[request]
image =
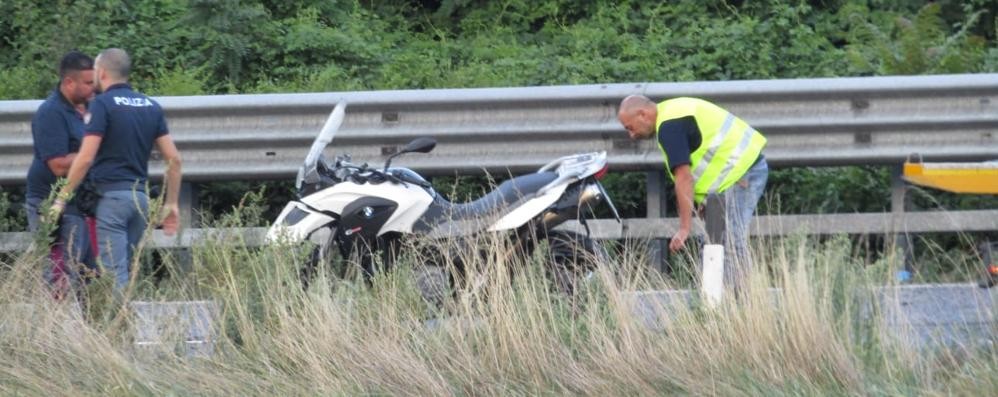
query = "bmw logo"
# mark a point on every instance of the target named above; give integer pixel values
(368, 212)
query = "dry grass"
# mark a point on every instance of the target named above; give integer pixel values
(343, 338)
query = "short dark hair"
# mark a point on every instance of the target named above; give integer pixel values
(74, 61)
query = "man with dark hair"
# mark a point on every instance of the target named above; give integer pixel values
(57, 130)
(118, 142)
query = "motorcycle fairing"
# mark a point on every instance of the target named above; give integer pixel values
(296, 223)
(366, 216)
(412, 201)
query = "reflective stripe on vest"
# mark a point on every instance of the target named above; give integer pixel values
(728, 148)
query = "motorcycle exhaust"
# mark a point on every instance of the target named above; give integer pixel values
(568, 207)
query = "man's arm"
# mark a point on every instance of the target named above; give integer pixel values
(168, 149)
(60, 165)
(678, 138)
(77, 170)
(684, 204)
(51, 140)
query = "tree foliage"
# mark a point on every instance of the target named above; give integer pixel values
(921, 44)
(245, 46)
(194, 47)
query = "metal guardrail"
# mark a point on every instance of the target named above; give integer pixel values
(644, 228)
(869, 120)
(841, 121)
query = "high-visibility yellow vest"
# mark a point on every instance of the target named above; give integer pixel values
(728, 148)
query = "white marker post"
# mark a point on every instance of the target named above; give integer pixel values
(712, 276)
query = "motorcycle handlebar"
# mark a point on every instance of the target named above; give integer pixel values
(374, 175)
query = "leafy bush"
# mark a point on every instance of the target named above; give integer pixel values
(12, 215)
(922, 44)
(26, 83)
(177, 82)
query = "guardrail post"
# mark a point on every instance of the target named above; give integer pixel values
(714, 275)
(902, 240)
(187, 202)
(656, 206)
(714, 219)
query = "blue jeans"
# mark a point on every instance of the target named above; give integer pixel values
(121, 221)
(740, 201)
(73, 241)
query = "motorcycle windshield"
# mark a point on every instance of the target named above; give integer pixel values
(325, 136)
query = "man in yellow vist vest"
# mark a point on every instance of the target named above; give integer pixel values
(706, 150)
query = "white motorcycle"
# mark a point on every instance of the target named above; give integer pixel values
(366, 212)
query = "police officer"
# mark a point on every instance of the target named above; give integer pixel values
(123, 127)
(56, 131)
(706, 150)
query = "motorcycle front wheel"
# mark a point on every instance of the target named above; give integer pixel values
(323, 256)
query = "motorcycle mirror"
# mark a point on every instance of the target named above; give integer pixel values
(420, 145)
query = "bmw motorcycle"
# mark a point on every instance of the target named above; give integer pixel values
(366, 213)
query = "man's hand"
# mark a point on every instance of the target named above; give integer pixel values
(171, 219)
(55, 211)
(678, 240)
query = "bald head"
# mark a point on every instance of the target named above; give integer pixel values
(637, 114)
(634, 102)
(111, 67)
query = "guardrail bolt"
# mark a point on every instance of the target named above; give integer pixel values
(390, 117)
(860, 104)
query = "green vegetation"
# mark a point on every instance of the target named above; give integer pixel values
(340, 338)
(343, 338)
(244, 46)
(193, 47)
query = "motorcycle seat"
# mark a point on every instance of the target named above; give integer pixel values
(492, 204)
